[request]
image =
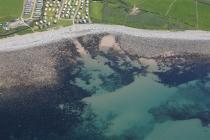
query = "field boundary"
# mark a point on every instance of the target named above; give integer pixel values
(197, 15)
(170, 7)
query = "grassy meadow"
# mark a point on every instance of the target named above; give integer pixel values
(96, 10)
(153, 14)
(10, 9)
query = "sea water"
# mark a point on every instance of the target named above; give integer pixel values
(147, 109)
(112, 100)
(127, 111)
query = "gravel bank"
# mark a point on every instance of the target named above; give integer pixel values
(141, 42)
(41, 66)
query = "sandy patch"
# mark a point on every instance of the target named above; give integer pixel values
(150, 63)
(80, 49)
(108, 42)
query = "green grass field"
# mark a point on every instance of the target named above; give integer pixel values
(97, 11)
(153, 14)
(10, 9)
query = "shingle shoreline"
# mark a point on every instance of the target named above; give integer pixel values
(147, 43)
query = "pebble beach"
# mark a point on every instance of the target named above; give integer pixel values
(136, 41)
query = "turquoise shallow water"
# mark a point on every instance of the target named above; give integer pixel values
(181, 130)
(146, 108)
(129, 105)
(126, 112)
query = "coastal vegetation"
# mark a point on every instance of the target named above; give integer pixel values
(10, 9)
(153, 14)
(146, 14)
